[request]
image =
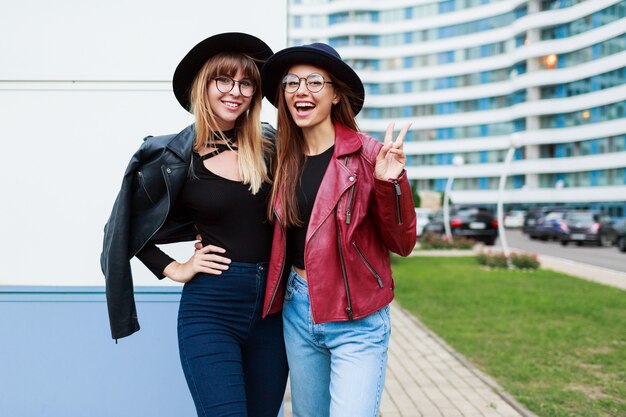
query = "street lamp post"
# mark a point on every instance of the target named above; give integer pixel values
(513, 145)
(457, 161)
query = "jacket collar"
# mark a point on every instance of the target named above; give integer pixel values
(347, 141)
(336, 179)
(182, 143)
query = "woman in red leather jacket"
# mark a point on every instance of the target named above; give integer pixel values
(340, 202)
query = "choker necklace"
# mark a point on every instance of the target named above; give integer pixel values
(221, 147)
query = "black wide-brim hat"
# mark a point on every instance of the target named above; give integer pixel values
(192, 63)
(317, 54)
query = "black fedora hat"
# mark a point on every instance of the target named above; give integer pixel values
(317, 54)
(188, 68)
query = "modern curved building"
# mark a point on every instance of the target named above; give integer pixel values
(478, 77)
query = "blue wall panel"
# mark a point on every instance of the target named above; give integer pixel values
(57, 357)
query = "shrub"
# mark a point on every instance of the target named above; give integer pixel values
(524, 260)
(514, 261)
(433, 241)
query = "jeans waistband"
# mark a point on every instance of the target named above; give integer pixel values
(294, 276)
(259, 266)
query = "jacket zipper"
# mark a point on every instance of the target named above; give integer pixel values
(282, 266)
(164, 170)
(351, 199)
(143, 185)
(398, 194)
(343, 271)
(368, 265)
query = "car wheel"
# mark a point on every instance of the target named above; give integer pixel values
(621, 244)
(564, 243)
(490, 242)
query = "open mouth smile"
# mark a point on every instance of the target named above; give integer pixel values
(303, 108)
(231, 105)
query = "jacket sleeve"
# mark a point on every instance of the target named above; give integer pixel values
(394, 214)
(177, 228)
(115, 259)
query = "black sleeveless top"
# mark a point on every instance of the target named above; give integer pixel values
(226, 214)
(306, 191)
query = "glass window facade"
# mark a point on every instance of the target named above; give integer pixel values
(407, 13)
(596, 178)
(593, 115)
(558, 4)
(586, 147)
(600, 18)
(464, 132)
(443, 32)
(587, 85)
(609, 47)
(418, 61)
(482, 104)
(493, 62)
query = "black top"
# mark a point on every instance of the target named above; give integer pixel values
(306, 191)
(225, 213)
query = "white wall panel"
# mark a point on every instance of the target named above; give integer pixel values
(81, 83)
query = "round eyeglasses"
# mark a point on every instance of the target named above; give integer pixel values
(225, 85)
(314, 82)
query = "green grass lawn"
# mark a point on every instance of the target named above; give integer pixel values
(555, 342)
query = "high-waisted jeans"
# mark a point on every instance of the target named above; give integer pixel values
(337, 368)
(234, 361)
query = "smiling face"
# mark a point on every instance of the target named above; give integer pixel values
(310, 110)
(227, 107)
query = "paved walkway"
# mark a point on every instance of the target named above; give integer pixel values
(597, 274)
(426, 378)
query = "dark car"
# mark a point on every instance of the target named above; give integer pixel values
(620, 237)
(471, 222)
(533, 214)
(547, 227)
(586, 226)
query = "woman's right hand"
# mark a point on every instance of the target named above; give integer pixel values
(205, 259)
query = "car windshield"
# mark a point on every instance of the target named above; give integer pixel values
(581, 217)
(466, 211)
(554, 216)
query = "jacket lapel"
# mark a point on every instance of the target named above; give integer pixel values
(337, 178)
(182, 143)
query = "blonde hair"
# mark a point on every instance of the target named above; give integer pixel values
(252, 147)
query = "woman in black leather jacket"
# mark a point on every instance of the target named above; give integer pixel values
(210, 179)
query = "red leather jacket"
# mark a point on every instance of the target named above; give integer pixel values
(355, 221)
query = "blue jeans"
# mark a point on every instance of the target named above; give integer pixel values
(234, 361)
(338, 368)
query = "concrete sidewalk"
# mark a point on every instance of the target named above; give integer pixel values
(426, 378)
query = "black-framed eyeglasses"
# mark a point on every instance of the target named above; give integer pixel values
(225, 85)
(314, 82)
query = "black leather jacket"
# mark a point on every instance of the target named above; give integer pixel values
(143, 212)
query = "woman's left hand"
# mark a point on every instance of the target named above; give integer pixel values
(391, 159)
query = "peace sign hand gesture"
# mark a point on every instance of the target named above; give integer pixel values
(391, 159)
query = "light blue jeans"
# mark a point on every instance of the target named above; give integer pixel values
(338, 368)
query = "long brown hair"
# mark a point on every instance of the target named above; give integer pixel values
(251, 145)
(290, 150)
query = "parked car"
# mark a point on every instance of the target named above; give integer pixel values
(547, 227)
(533, 215)
(586, 226)
(423, 216)
(514, 219)
(472, 222)
(620, 235)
